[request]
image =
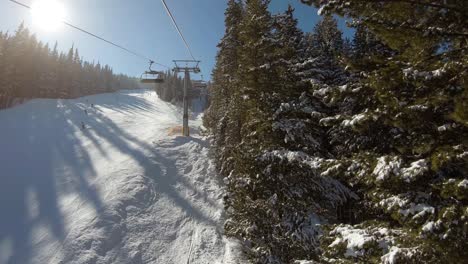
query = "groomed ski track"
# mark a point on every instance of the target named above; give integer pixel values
(119, 190)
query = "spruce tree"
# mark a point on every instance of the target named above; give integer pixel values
(29, 69)
(290, 51)
(379, 155)
(325, 49)
(222, 117)
(275, 193)
(401, 142)
(19, 63)
(327, 38)
(4, 93)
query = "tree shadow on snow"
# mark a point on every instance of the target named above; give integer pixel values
(125, 103)
(162, 170)
(41, 157)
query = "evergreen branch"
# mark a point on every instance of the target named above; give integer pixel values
(450, 53)
(453, 8)
(414, 2)
(391, 25)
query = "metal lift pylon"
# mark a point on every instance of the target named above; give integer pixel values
(190, 66)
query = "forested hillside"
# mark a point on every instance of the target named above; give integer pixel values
(344, 151)
(172, 89)
(31, 69)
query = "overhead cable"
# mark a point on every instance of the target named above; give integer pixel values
(177, 28)
(98, 37)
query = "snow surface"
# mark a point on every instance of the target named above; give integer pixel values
(305, 262)
(356, 119)
(119, 191)
(418, 210)
(386, 166)
(431, 226)
(355, 239)
(320, 11)
(463, 184)
(397, 255)
(393, 202)
(391, 166)
(416, 169)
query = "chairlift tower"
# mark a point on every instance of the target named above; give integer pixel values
(186, 66)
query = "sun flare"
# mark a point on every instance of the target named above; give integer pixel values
(48, 14)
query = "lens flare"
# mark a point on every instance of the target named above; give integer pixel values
(48, 14)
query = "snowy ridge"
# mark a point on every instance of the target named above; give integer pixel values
(119, 190)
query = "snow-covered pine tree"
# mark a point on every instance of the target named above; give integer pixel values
(5, 94)
(167, 90)
(29, 69)
(18, 63)
(42, 71)
(275, 195)
(222, 117)
(327, 38)
(108, 75)
(54, 71)
(248, 193)
(291, 50)
(347, 50)
(363, 42)
(367, 50)
(324, 51)
(401, 143)
(76, 81)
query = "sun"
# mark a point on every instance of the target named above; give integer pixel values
(48, 14)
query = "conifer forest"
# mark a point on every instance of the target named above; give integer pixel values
(30, 69)
(342, 150)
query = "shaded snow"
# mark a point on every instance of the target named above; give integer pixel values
(355, 239)
(393, 202)
(397, 255)
(294, 156)
(418, 210)
(119, 191)
(416, 169)
(463, 184)
(327, 121)
(446, 127)
(431, 226)
(426, 75)
(392, 166)
(320, 10)
(418, 107)
(462, 155)
(406, 208)
(294, 130)
(356, 119)
(386, 166)
(390, 257)
(305, 262)
(322, 91)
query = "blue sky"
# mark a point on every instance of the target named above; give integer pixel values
(143, 26)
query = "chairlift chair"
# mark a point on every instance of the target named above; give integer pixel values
(151, 76)
(199, 84)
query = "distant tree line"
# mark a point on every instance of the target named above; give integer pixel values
(31, 69)
(338, 151)
(172, 89)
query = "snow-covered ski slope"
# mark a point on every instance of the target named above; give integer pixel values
(121, 190)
